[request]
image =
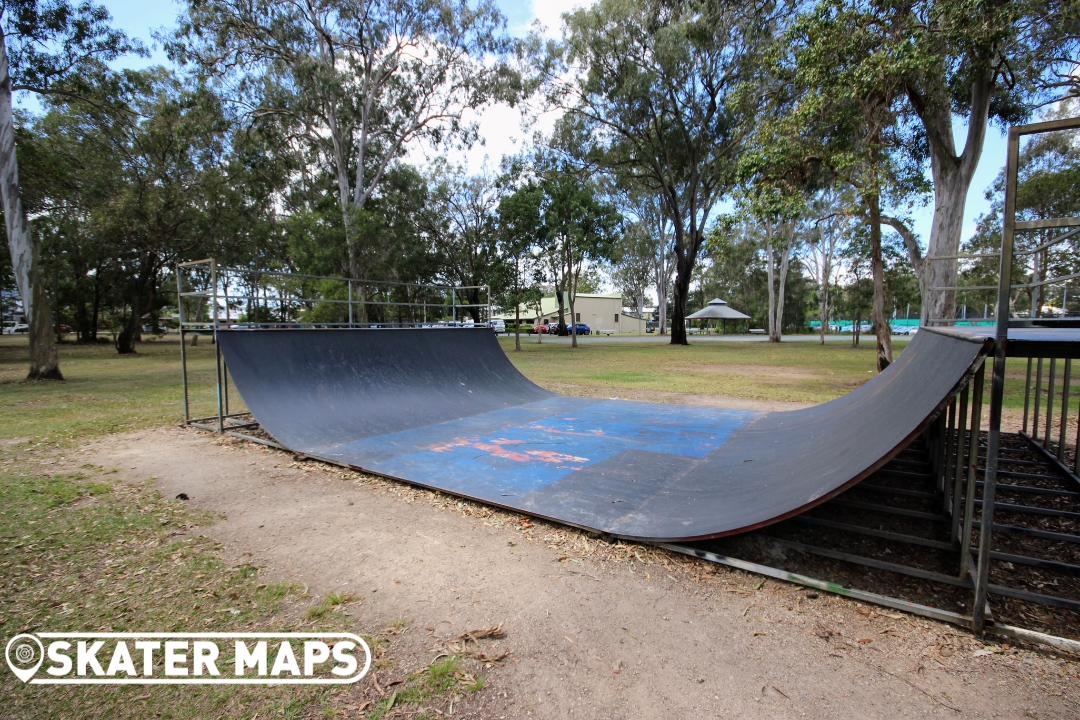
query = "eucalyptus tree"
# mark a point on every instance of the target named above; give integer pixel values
(830, 224)
(667, 91)
(632, 261)
(521, 230)
(360, 82)
(581, 228)
(837, 125)
(45, 47)
(460, 223)
(949, 60)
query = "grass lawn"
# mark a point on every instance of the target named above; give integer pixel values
(789, 372)
(103, 392)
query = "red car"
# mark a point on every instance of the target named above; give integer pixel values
(541, 329)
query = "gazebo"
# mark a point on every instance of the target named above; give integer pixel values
(718, 309)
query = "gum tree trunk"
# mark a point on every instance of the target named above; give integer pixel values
(25, 259)
(952, 174)
(881, 323)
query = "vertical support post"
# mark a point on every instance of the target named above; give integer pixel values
(1064, 409)
(1049, 403)
(952, 448)
(969, 495)
(1038, 398)
(453, 305)
(350, 304)
(997, 387)
(217, 345)
(1027, 394)
(952, 506)
(183, 345)
(224, 365)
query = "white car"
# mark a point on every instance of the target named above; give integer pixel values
(16, 328)
(499, 326)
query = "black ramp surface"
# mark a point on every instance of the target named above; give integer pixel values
(314, 389)
(446, 409)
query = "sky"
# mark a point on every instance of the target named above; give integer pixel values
(501, 127)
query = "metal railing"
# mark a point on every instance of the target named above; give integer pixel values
(1010, 227)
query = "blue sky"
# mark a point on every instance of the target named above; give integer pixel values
(501, 126)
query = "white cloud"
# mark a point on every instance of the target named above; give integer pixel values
(550, 12)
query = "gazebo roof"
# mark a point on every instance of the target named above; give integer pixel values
(717, 309)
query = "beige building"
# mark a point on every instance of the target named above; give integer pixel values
(602, 313)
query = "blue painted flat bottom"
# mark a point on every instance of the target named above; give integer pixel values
(516, 451)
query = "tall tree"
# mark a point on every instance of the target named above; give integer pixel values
(830, 225)
(521, 228)
(460, 220)
(44, 46)
(632, 262)
(359, 81)
(984, 61)
(667, 90)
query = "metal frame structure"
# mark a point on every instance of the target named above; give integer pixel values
(955, 446)
(220, 291)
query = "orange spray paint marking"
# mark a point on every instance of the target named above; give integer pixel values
(495, 448)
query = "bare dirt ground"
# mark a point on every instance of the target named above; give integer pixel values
(593, 630)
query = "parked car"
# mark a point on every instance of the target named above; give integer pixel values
(539, 330)
(579, 328)
(499, 326)
(905, 329)
(16, 328)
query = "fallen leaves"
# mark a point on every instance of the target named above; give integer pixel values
(495, 631)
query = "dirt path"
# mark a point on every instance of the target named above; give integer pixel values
(593, 632)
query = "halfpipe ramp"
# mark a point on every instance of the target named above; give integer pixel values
(445, 409)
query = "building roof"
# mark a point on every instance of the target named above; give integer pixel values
(717, 309)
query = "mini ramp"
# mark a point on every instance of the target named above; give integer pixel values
(445, 409)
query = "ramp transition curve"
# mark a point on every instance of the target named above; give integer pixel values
(445, 409)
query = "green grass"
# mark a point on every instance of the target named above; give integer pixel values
(790, 372)
(103, 392)
(758, 371)
(79, 553)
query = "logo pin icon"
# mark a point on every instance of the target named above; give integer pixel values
(24, 656)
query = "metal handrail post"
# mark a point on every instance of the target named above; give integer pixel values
(217, 345)
(997, 387)
(1038, 398)
(962, 458)
(1027, 394)
(1064, 408)
(350, 304)
(969, 495)
(225, 365)
(952, 447)
(183, 346)
(1049, 404)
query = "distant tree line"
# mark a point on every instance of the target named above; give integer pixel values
(277, 139)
